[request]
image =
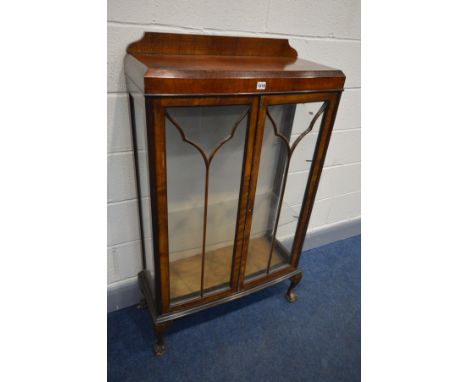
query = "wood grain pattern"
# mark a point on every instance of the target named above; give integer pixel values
(244, 210)
(158, 187)
(192, 44)
(165, 63)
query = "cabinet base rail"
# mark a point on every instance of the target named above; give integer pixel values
(162, 322)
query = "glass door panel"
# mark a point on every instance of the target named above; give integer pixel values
(204, 158)
(289, 138)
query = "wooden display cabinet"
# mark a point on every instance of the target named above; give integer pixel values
(216, 124)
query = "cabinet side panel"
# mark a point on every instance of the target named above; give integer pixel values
(140, 141)
(323, 141)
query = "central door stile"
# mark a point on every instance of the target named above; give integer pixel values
(254, 168)
(243, 215)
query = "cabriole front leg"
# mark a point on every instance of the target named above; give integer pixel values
(142, 304)
(160, 329)
(290, 294)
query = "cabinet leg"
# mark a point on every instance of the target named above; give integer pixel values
(142, 304)
(160, 329)
(290, 294)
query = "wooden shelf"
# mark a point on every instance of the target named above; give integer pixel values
(185, 273)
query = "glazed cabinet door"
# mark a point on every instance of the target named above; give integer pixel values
(292, 136)
(203, 153)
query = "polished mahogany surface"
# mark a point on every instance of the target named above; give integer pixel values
(205, 113)
(164, 63)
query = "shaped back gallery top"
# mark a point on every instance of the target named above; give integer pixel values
(177, 64)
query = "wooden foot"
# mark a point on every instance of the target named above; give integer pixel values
(159, 346)
(158, 349)
(142, 304)
(291, 296)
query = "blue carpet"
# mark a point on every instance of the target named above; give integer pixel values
(259, 338)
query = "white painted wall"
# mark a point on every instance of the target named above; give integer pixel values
(325, 31)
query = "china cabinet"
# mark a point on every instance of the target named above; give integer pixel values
(223, 127)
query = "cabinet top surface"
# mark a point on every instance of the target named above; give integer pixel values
(166, 63)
